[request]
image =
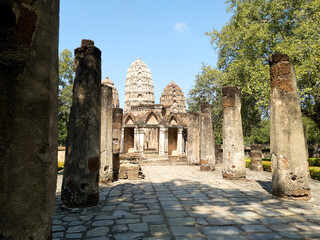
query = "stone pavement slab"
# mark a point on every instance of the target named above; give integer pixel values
(181, 202)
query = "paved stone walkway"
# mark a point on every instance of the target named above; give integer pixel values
(180, 202)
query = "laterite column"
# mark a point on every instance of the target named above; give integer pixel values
(207, 148)
(233, 148)
(106, 157)
(287, 142)
(80, 187)
(28, 117)
(256, 157)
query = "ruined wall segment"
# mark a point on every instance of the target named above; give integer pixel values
(139, 85)
(233, 148)
(106, 156)
(207, 147)
(80, 187)
(173, 98)
(28, 112)
(287, 143)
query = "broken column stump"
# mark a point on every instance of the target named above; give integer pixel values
(287, 143)
(256, 157)
(28, 110)
(80, 187)
(233, 148)
(207, 147)
(106, 169)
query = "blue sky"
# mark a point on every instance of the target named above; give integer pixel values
(168, 35)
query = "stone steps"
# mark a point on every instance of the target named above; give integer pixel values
(162, 162)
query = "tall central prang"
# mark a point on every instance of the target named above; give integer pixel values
(139, 85)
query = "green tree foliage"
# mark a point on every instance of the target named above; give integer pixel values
(312, 131)
(256, 30)
(207, 88)
(66, 76)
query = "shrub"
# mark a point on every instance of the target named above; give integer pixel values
(314, 162)
(248, 162)
(315, 173)
(60, 165)
(266, 166)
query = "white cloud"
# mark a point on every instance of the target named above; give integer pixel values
(180, 26)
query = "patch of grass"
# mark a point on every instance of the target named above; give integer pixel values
(60, 165)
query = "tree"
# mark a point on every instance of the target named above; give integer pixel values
(208, 89)
(66, 77)
(257, 29)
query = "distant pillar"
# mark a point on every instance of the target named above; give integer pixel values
(233, 148)
(207, 147)
(106, 158)
(122, 141)
(193, 149)
(256, 157)
(180, 141)
(136, 140)
(307, 148)
(162, 142)
(287, 143)
(29, 35)
(80, 187)
(141, 139)
(166, 141)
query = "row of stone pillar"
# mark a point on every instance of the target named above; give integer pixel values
(287, 141)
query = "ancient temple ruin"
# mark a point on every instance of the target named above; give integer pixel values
(154, 133)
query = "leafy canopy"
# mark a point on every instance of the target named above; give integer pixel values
(66, 77)
(257, 29)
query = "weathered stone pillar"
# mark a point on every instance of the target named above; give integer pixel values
(117, 114)
(193, 150)
(207, 147)
(122, 141)
(166, 140)
(233, 148)
(180, 141)
(80, 187)
(106, 155)
(136, 140)
(287, 143)
(307, 148)
(162, 142)
(256, 157)
(141, 139)
(28, 112)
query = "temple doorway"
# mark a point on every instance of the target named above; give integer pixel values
(172, 141)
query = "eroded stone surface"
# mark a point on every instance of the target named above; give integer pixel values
(233, 151)
(287, 142)
(80, 187)
(28, 112)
